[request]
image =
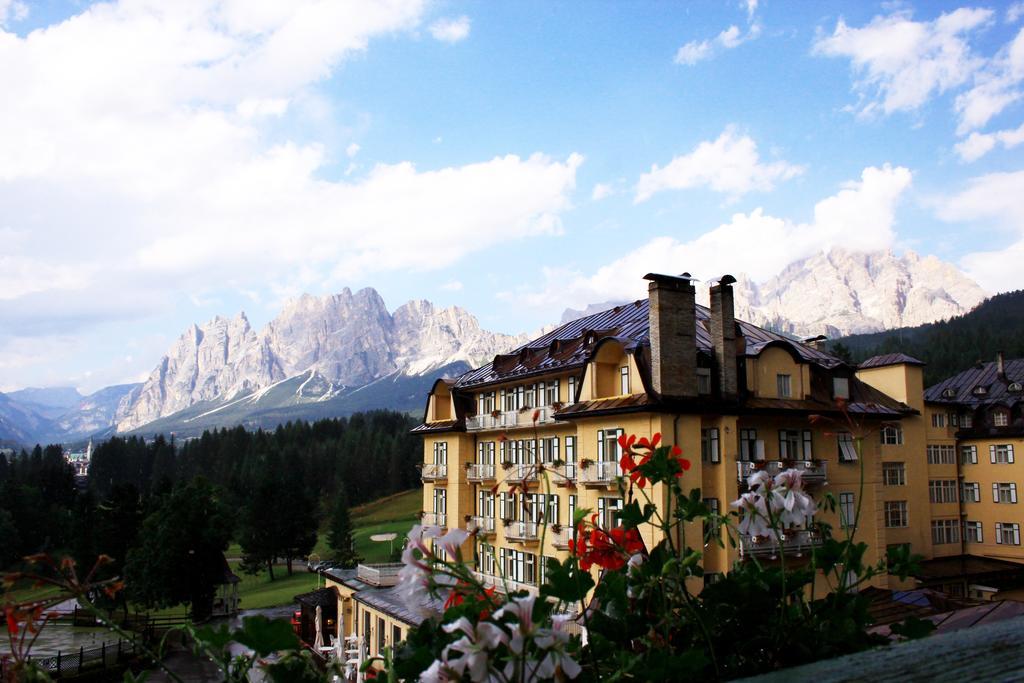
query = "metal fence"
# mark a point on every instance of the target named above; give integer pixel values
(74, 662)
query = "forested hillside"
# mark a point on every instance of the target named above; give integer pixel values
(952, 345)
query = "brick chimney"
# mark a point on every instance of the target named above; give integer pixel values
(723, 335)
(673, 331)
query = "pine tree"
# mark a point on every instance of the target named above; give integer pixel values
(339, 536)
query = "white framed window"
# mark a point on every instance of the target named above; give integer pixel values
(549, 451)
(551, 514)
(847, 448)
(572, 508)
(942, 490)
(440, 452)
(945, 531)
(485, 561)
(507, 505)
(440, 506)
(892, 435)
(783, 386)
(894, 474)
(571, 393)
(973, 532)
(795, 444)
(703, 381)
(1004, 492)
(750, 447)
(485, 505)
(1000, 418)
(1007, 533)
(966, 420)
(570, 457)
(608, 510)
(896, 514)
(968, 455)
(938, 420)
(608, 450)
(709, 451)
(941, 455)
(1001, 454)
(485, 403)
(551, 392)
(840, 387)
(520, 566)
(971, 492)
(847, 509)
(624, 380)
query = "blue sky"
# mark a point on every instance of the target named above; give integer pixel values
(168, 162)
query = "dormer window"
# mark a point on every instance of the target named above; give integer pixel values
(784, 386)
(980, 391)
(1015, 388)
(704, 380)
(949, 393)
(1000, 418)
(840, 387)
(624, 380)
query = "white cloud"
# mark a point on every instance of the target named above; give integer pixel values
(452, 286)
(977, 145)
(12, 11)
(139, 178)
(730, 165)
(698, 50)
(693, 52)
(352, 150)
(859, 217)
(751, 6)
(996, 86)
(901, 63)
(450, 30)
(994, 199)
(1014, 12)
(602, 190)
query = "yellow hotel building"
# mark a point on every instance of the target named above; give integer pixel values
(731, 395)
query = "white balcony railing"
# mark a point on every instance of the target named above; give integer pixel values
(478, 472)
(510, 419)
(522, 531)
(502, 585)
(521, 472)
(433, 472)
(814, 472)
(379, 574)
(563, 474)
(561, 538)
(600, 473)
(435, 519)
(795, 543)
(484, 524)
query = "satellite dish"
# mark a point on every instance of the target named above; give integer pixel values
(381, 538)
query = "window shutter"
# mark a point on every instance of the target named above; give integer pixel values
(1009, 453)
(808, 450)
(995, 493)
(1013, 493)
(759, 450)
(1016, 534)
(715, 454)
(600, 444)
(783, 450)
(992, 454)
(554, 449)
(999, 533)
(745, 453)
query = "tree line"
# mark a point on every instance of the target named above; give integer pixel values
(949, 346)
(165, 511)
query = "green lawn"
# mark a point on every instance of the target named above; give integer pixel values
(394, 514)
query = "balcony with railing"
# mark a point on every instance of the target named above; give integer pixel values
(480, 473)
(795, 543)
(563, 475)
(379, 574)
(521, 472)
(435, 519)
(813, 472)
(434, 472)
(483, 525)
(560, 539)
(597, 474)
(503, 584)
(522, 532)
(510, 419)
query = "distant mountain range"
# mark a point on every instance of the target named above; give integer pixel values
(337, 354)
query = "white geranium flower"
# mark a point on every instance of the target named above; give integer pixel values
(452, 541)
(435, 673)
(414, 576)
(474, 647)
(755, 514)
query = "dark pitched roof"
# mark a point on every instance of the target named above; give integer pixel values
(568, 346)
(440, 426)
(962, 385)
(966, 565)
(889, 359)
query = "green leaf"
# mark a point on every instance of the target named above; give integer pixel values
(265, 636)
(214, 639)
(565, 582)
